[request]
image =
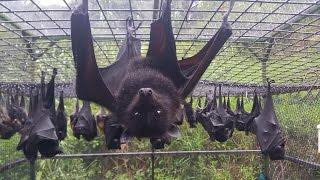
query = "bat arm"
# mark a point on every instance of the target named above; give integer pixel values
(89, 83)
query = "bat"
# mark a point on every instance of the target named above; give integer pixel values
(39, 134)
(61, 119)
(84, 124)
(268, 130)
(6, 129)
(190, 114)
(73, 117)
(242, 117)
(101, 118)
(203, 116)
(143, 94)
(222, 121)
(17, 114)
(255, 112)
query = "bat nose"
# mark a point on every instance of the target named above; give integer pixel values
(145, 92)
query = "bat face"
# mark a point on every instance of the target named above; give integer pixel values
(147, 101)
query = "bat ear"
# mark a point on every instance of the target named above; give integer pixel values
(89, 83)
(174, 131)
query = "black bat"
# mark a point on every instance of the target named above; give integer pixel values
(222, 121)
(6, 128)
(190, 114)
(17, 114)
(101, 118)
(255, 112)
(242, 117)
(61, 119)
(39, 133)
(143, 94)
(83, 123)
(268, 130)
(202, 115)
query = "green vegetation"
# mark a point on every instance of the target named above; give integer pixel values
(298, 119)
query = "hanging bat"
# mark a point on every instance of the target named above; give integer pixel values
(255, 112)
(61, 119)
(6, 129)
(190, 114)
(17, 114)
(84, 123)
(39, 133)
(242, 117)
(143, 94)
(101, 118)
(203, 116)
(268, 130)
(222, 121)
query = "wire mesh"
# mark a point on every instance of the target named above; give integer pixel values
(297, 113)
(36, 35)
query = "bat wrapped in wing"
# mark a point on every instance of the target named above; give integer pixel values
(255, 112)
(242, 117)
(84, 124)
(6, 127)
(144, 95)
(61, 119)
(203, 115)
(268, 130)
(39, 133)
(190, 114)
(222, 121)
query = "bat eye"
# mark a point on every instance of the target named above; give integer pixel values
(158, 112)
(136, 113)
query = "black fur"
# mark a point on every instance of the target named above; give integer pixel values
(165, 99)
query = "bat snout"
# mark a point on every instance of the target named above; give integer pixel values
(145, 92)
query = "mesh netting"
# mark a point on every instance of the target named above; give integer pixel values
(297, 112)
(277, 39)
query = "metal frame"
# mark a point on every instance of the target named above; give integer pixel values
(287, 58)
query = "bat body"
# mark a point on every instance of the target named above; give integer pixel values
(190, 114)
(268, 130)
(39, 133)
(83, 123)
(242, 117)
(143, 94)
(61, 119)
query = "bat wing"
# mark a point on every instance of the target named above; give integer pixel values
(268, 131)
(114, 73)
(162, 48)
(190, 64)
(89, 83)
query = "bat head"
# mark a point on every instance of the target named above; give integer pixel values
(148, 104)
(148, 114)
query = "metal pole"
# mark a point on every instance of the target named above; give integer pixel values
(32, 170)
(266, 167)
(152, 163)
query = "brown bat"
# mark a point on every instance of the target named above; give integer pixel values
(143, 94)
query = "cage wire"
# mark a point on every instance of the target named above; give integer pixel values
(277, 39)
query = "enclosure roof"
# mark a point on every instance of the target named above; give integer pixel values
(280, 35)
